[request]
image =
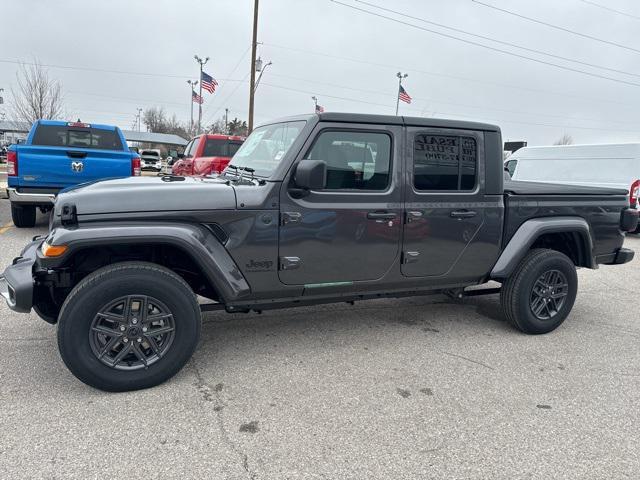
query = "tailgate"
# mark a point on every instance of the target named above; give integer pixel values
(44, 166)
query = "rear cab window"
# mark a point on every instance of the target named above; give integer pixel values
(215, 147)
(76, 137)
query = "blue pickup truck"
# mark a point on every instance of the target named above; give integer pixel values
(57, 155)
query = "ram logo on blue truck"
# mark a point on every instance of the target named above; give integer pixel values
(57, 155)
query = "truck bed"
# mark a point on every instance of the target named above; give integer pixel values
(600, 207)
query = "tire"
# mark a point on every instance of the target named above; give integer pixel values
(92, 305)
(23, 216)
(527, 302)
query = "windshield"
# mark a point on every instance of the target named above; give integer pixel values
(266, 146)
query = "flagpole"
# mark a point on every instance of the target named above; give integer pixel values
(400, 77)
(192, 84)
(202, 63)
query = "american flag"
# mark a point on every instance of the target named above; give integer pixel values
(319, 109)
(196, 98)
(208, 82)
(403, 95)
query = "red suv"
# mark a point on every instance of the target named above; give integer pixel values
(207, 154)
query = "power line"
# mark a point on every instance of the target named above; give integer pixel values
(224, 102)
(578, 127)
(102, 70)
(501, 42)
(435, 100)
(506, 52)
(446, 75)
(619, 12)
(557, 27)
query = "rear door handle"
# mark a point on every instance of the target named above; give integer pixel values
(381, 216)
(463, 214)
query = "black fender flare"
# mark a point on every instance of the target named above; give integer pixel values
(530, 231)
(195, 240)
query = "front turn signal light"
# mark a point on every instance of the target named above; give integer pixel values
(53, 250)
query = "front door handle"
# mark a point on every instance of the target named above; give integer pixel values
(463, 214)
(381, 216)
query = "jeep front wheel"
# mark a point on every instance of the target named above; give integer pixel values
(540, 293)
(128, 326)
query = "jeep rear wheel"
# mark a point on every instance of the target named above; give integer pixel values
(23, 216)
(541, 292)
(128, 326)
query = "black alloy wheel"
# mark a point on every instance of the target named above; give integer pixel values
(132, 332)
(548, 294)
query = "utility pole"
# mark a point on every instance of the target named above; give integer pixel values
(202, 63)
(226, 121)
(192, 86)
(400, 76)
(315, 101)
(254, 46)
(139, 118)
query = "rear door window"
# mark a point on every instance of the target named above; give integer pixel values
(63, 136)
(215, 148)
(444, 162)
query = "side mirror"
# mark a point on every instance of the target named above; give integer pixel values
(170, 161)
(311, 174)
(181, 155)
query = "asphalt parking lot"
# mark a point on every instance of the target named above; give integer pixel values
(413, 388)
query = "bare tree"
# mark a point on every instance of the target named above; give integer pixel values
(565, 139)
(37, 96)
(157, 121)
(219, 126)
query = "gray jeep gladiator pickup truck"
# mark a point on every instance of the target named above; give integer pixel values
(313, 209)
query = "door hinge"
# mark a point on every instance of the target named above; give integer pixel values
(289, 263)
(290, 217)
(410, 257)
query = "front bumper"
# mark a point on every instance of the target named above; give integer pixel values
(16, 283)
(34, 198)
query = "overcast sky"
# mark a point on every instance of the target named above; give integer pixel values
(347, 58)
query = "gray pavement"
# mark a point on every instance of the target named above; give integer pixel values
(412, 388)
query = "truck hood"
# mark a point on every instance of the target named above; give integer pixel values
(148, 194)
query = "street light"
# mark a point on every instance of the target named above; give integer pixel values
(260, 68)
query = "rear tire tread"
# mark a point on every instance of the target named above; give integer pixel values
(23, 216)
